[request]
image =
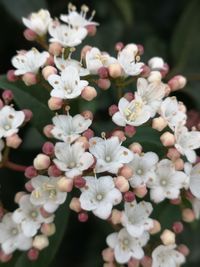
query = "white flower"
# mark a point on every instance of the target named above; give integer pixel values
(126, 246)
(1, 148)
(30, 61)
(78, 19)
(186, 142)
(196, 207)
(172, 112)
(109, 154)
(62, 63)
(10, 121)
(95, 59)
(156, 63)
(167, 256)
(12, 237)
(68, 85)
(133, 113)
(38, 22)
(99, 196)
(72, 159)
(143, 167)
(194, 178)
(167, 182)
(46, 193)
(127, 59)
(68, 128)
(29, 216)
(66, 35)
(151, 93)
(135, 218)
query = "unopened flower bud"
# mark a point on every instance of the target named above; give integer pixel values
(87, 114)
(48, 229)
(177, 82)
(188, 215)
(84, 140)
(156, 227)
(92, 29)
(55, 103)
(133, 263)
(65, 184)
(30, 172)
(121, 183)
(129, 130)
(115, 70)
(145, 71)
(7, 96)
(140, 49)
(116, 216)
(156, 63)
(88, 133)
(154, 76)
(167, 139)
(177, 227)
(28, 115)
(119, 46)
(29, 78)
(141, 191)
(18, 196)
(11, 76)
(55, 49)
(30, 35)
(1, 104)
(41, 162)
(179, 164)
(33, 254)
(103, 72)
(75, 204)
(108, 255)
(89, 93)
(50, 61)
(173, 154)
(136, 148)
(29, 186)
(83, 216)
(48, 148)
(168, 237)
(47, 130)
(84, 50)
(5, 257)
(176, 201)
(146, 261)
(79, 182)
(13, 141)
(120, 134)
(126, 172)
(104, 84)
(45, 213)
(112, 110)
(129, 96)
(183, 249)
(129, 196)
(40, 242)
(47, 71)
(159, 124)
(54, 171)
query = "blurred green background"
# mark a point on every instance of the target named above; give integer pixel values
(167, 28)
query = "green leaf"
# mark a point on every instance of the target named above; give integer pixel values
(126, 10)
(20, 8)
(33, 98)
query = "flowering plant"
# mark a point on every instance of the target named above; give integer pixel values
(115, 172)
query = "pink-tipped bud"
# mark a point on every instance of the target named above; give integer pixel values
(108, 255)
(126, 172)
(173, 154)
(75, 204)
(7, 96)
(146, 261)
(104, 84)
(129, 96)
(129, 196)
(83, 216)
(48, 148)
(140, 49)
(47, 71)
(84, 50)
(103, 72)
(88, 133)
(116, 216)
(50, 61)
(28, 114)
(1, 104)
(45, 213)
(89, 93)
(115, 70)
(167, 139)
(145, 71)
(18, 196)
(179, 164)
(119, 46)
(55, 49)
(112, 110)
(165, 70)
(189, 195)
(55, 103)
(188, 215)
(13, 141)
(183, 249)
(168, 237)
(5, 257)
(177, 82)
(65, 184)
(33, 254)
(133, 263)
(154, 76)
(91, 29)
(47, 130)
(48, 229)
(79, 182)
(87, 114)
(141, 191)
(29, 186)
(30, 172)
(30, 35)
(129, 130)
(84, 140)
(29, 78)
(159, 124)
(11, 76)
(41, 162)
(177, 227)
(40, 242)
(54, 171)
(120, 134)
(156, 228)
(122, 184)
(136, 148)
(176, 201)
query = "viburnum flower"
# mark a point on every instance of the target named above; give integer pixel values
(194, 178)
(186, 142)
(29, 61)
(126, 246)
(38, 21)
(95, 59)
(172, 112)
(68, 85)
(99, 196)
(46, 193)
(151, 93)
(66, 35)
(167, 182)
(72, 159)
(78, 19)
(166, 256)
(10, 121)
(68, 128)
(143, 167)
(135, 217)
(11, 236)
(29, 216)
(133, 113)
(1, 148)
(109, 154)
(127, 60)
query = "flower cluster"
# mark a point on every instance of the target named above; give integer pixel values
(106, 171)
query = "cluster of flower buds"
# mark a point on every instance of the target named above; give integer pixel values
(104, 169)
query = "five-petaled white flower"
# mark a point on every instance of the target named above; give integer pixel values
(10, 121)
(135, 217)
(194, 178)
(46, 193)
(133, 113)
(127, 58)
(167, 182)
(68, 85)
(143, 167)
(186, 142)
(38, 21)
(66, 35)
(72, 159)
(165, 256)
(1, 148)
(29, 61)
(68, 128)
(78, 19)
(12, 237)
(99, 195)
(29, 216)
(109, 154)
(126, 246)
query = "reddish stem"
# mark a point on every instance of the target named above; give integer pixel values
(13, 166)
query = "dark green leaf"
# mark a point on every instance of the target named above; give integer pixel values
(126, 10)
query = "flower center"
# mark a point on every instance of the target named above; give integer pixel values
(7, 127)
(99, 197)
(139, 171)
(133, 110)
(72, 164)
(14, 231)
(34, 214)
(108, 159)
(163, 182)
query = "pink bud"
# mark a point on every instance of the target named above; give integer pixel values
(183, 249)
(30, 35)
(188, 215)
(84, 50)
(179, 164)
(83, 216)
(47, 130)
(11, 76)
(146, 261)
(45, 213)
(140, 49)
(159, 124)
(129, 130)
(29, 78)
(104, 84)
(88, 133)
(47, 71)
(50, 61)
(141, 191)
(156, 227)
(55, 103)
(176, 201)
(30, 172)
(145, 71)
(165, 70)
(119, 134)
(129, 196)
(89, 93)
(189, 195)
(84, 140)
(48, 229)
(116, 216)
(18, 196)
(40, 242)
(112, 110)
(173, 154)
(87, 114)
(7, 96)
(129, 96)
(48, 148)
(121, 183)
(79, 182)
(167, 139)
(177, 82)
(28, 114)
(55, 49)
(92, 29)
(168, 237)
(126, 172)
(177, 227)
(108, 255)
(33, 254)
(65, 184)
(115, 70)
(75, 204)
(5, 257)
(119, 46)
(13, 141)
(41, 162)
(29, 186)
(103, 72)
(133, 263)
(54, 171)
(1, 104)
(136, 148)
